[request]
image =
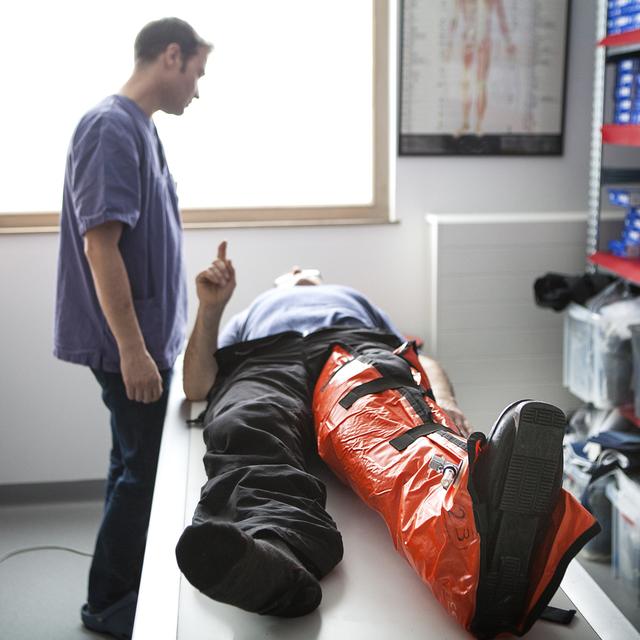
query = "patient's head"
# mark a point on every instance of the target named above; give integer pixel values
(299, 277)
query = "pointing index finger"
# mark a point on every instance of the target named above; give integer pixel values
(222, 250)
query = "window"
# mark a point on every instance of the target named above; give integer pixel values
(292, 125)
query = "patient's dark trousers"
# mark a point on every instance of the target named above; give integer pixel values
(260, 437)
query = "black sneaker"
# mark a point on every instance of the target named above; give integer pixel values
(516, 480)
(116, 620)
(229, 566)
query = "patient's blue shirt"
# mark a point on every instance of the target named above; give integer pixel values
(304, 309)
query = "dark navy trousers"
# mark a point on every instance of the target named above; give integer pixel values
(136, 430)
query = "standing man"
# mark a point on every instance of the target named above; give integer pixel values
(121, 301)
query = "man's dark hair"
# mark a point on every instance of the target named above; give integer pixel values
(156, 36)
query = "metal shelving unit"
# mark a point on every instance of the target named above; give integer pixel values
(595, 165)
(610, 49)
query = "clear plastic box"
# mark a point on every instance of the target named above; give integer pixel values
(595, 369)
(625, 500)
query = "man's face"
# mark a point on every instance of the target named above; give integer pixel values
(182, 85)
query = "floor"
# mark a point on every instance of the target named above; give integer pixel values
(41, 591)
(626, 599)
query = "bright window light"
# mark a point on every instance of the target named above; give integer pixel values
(285, 116)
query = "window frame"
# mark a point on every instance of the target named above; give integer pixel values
(377, 212)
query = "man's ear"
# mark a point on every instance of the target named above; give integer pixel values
(173, 55)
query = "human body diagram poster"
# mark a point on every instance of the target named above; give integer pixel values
(482, 76)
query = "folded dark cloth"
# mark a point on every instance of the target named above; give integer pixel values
(627, 443)
(618, 449)
(557, 290)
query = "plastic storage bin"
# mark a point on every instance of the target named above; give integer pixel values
(625, 500)
(578, 483)
(595, 369)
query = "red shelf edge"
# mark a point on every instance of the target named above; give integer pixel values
(628, 412)
(628, 268)
(627, 134)
(621, 39)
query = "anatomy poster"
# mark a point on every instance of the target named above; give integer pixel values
(482, 76)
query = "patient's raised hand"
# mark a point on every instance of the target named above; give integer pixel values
(216, 284)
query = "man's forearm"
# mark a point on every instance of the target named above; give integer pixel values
(444, 395)
(214, 286)
(440, 383)
(139, 371)
(114, 295)
(200, 366)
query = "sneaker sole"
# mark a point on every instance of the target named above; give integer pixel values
(531, 482)
(528, 496)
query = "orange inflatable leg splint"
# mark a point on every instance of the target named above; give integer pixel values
(484, 522)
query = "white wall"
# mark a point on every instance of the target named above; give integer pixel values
(52, 424)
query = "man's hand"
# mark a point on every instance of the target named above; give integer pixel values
(142, 379)
(450, 406)
(216, 284)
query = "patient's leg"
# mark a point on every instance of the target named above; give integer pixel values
(259, 576)
(257, 431)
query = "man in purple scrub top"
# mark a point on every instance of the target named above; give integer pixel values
(121, 302)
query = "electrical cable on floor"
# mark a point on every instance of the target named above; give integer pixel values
(44, 548)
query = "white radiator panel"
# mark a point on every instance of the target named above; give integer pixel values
(483, 325)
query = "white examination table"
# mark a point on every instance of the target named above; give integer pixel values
(373, 594)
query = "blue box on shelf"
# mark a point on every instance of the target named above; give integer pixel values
(621, 7)
(622, 117)
(628, 64)
(631, 223)
(625, 22)
(617, 248)
(631, 236)
(626, 116)
(624, 92)
(624, 196)
(618, 13)
(625, 79)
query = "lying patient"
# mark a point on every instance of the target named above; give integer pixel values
(261, 538)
